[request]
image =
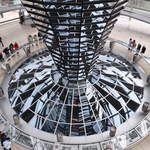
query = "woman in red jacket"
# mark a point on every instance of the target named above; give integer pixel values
(16, 46)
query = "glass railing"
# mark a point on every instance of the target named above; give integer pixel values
(124, 46)
(128, 138)
(139, 4)
(25, 50)
(9, 2)
(117, 143)
(147, 59)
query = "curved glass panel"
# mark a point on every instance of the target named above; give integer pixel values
(140, 4)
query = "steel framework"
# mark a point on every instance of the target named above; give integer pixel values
(75, 31)
(80, 90)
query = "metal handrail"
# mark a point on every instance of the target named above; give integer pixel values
(22, 47)
(4, 9)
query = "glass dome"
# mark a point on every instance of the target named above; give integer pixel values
(46, 101)
(74, 87)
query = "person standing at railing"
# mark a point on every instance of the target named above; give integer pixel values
(138, 48)
(1, 42)
(11, 48)
(40, 37)
(1, 57)
(21, 16)
(143, 50)
(6, 52)
(35, 37)
(30, 40)
(133, 44)
(130, 43)
(2, 15)
(16, 46)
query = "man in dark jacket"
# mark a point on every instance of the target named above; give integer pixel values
(1, 57)
(6, 51)
(143, 50)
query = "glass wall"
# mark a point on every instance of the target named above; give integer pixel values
(9, 2)
(140, 4)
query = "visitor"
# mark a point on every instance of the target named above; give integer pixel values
(16, 46)
(5, 141)
(6, 52)
(30, 40)
(27, 50)
(143, 50)
(130, 42)
(1, 92)
(11, 48)
(138, 48)
(35, 38)
(133, 44)
(2, 15)
(1, 42)
(40, 36)
(134, 59)
(1, 57)
(21, 16)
